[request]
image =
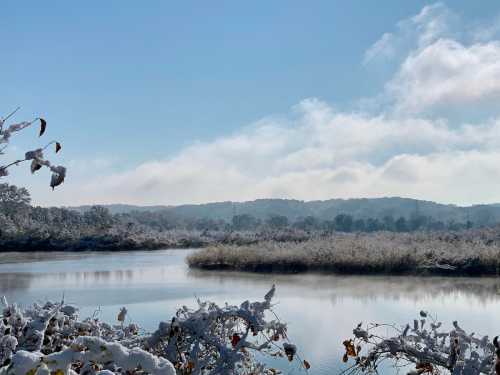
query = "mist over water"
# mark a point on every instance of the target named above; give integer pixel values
(321, 309)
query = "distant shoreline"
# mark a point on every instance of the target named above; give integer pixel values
(105, 243)
(171, 239)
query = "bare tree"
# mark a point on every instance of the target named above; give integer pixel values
(36, 157)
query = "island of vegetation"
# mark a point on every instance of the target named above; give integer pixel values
(468, 253)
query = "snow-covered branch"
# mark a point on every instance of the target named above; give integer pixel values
(208, 340)
(423, 345)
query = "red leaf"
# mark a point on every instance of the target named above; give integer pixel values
(235, 340)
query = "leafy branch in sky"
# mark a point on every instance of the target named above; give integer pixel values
(36, 157)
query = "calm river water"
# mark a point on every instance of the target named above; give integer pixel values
(321, 309)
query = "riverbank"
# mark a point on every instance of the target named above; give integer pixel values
(147, 240)
(380, 253)
(96, 243)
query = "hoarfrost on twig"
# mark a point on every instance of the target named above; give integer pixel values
(426, 346)
(207, 340)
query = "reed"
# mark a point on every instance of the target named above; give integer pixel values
(378, 253)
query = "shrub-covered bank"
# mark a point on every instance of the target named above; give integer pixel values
(118, 240)
(91, 243)
(467, 253)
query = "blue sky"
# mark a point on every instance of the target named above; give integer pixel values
(151, 91)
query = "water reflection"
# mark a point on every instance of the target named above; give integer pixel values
(24, 280)
(40, 256)
(14, 281)
(367, 288)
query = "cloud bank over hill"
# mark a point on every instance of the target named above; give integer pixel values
(433, 133)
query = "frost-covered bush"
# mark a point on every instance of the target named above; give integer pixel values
(423, 345)
(362, 253)
(221, 340)
(207, 340)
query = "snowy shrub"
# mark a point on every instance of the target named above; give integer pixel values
(424, 346)
(51, 339)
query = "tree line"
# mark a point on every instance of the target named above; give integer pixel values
(347, 223)
(19, 217)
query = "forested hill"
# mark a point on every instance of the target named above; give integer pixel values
(119, 227)
(324, 210)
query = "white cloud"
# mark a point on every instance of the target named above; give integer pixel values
(319, 153)
(447, 74)
(385, 48)
(430, 24)
(316, 153)
(446, 65)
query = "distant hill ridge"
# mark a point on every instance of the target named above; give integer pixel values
(326, 209)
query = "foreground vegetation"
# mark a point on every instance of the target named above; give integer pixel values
(461, 253)
(209, 340)
(424, 345)
(222, 340)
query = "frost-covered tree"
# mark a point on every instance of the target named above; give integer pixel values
(14, 201)
(277, 221)
(99, 217)
(35, 157)
(11, 194)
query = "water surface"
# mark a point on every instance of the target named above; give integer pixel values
(321, 309)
